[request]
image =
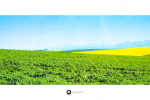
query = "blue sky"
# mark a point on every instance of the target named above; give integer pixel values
(40, 32)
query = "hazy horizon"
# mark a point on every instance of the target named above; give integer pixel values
(30, 32)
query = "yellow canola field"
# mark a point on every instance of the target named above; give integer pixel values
(128, 51)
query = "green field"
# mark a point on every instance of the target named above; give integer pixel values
(61, 68)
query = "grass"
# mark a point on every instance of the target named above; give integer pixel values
(21, 67)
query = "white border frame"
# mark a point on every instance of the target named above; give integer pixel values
(74, 7)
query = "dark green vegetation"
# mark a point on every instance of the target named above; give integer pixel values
(44, 67)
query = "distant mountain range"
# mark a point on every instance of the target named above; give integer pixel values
(126, 44)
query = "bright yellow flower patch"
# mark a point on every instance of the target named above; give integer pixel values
(128, 51)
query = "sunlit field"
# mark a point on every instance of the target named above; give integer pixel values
(21, 67)
(128, 51)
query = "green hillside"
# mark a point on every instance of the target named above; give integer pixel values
(60, 68)
(80, 50)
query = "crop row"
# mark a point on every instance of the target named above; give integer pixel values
(45, 67)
